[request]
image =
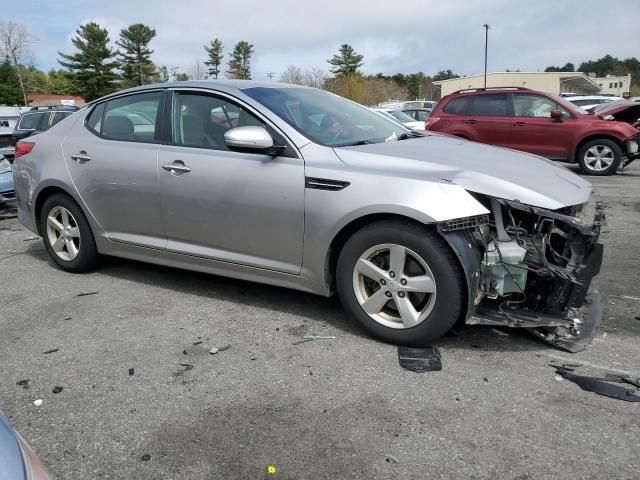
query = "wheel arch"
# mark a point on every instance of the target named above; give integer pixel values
(595, 136)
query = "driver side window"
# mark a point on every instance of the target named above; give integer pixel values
(200, 120)
(535, 106)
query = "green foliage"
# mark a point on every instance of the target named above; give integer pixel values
(444, 75)
(214, 60)
(10, 92)
(240, 61)
(135, 55)
(93, 65)
(568, 67)
(346, 61)
(35, 81)
(60, 82)
(180, 77)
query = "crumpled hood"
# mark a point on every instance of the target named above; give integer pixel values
(484, 169)
(613, 108)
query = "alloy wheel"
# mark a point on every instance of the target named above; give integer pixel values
(599, 158)
(63, 233)
(394, 286)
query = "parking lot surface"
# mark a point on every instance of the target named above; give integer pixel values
(143, 398)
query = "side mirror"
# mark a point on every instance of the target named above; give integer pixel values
(251, 139)
(556, 115)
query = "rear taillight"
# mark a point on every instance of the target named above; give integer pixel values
(22, 148)
(430, 122)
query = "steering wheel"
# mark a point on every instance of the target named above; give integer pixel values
(341, 132)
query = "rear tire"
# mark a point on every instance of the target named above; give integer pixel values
(67, 235)
(600, 157)
(402, 305)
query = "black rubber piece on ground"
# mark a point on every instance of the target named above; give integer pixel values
(420, 360)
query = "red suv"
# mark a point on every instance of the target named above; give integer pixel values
(538, 123)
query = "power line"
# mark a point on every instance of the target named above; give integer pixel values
(270, 75)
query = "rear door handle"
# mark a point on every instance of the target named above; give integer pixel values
(470, 122)
(177, 167)
(519, 124)
(81, 157)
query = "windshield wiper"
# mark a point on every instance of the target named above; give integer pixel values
(410, 134)
(353, 144)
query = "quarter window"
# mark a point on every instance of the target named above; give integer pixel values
(201, 120)
(131, 118)
(536, 106)
(489, 105)
(30, 121)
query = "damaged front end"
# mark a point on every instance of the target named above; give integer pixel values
(529, 267)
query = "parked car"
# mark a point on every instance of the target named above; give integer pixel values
(7, 190)
(307, 190)
(539, 123)
(40, 119)
(17, 460)
(400, 116)
(418, 114)
(6, 141)
(589, 102)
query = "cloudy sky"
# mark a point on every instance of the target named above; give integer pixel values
(402, 36)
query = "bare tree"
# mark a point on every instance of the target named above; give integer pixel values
(15, 44)
(293, 75)
(197, 71)
(315, 77)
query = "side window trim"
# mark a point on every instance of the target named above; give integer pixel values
(168, 120)
(163, 92)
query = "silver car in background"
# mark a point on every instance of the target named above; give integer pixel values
(300, 188)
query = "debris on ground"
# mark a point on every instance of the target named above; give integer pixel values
(146, 457)
(57, 390)
(30, 239)
(67, 318)
(23, 383)
(131, 372)
(196, 343)
(311, 338)
(601, 386)
(214, 350)
(391, 459)
(420, 360)
(9, 213)
(187, 366)
(225, 347)
(53, 350)
(85, 294)
(38, 402)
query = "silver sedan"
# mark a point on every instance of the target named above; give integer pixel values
(300, 188)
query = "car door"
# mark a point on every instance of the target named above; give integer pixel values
(488, 119)
(536, 132)
(240, 207)
(112, 157)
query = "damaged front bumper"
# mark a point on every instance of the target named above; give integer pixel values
(532, 268)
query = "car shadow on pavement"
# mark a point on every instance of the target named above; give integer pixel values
(292, 302)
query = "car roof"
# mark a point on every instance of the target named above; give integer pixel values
(591, 97)
(227, 86)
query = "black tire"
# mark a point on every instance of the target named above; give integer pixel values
(87, 257)
(600, 142)
(450, 295)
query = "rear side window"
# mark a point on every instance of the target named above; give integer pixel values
(30, 121)
(489, 105)
(58, 117)
(131, 118)
(457, 106)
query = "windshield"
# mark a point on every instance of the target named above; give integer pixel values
(325, 118)
(401, 116)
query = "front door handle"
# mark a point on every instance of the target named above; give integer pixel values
(470, 122)
(81, 157)
(519, 124)
(176, 168)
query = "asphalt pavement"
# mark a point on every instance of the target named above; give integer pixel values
(143, 398)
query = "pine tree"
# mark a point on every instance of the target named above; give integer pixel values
(214, 50)
(10, 91)
(346, 61)
(135, 63)
(92, 67)
(240, 61)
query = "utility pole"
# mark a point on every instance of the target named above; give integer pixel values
(486, 44)
(270, 76)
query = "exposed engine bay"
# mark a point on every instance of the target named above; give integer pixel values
(530, 267)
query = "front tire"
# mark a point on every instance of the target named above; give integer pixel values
(67, 235)
(600, 157)
(400, 282)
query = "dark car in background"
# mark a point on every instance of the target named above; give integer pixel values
(538, 123)
(40, 119)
